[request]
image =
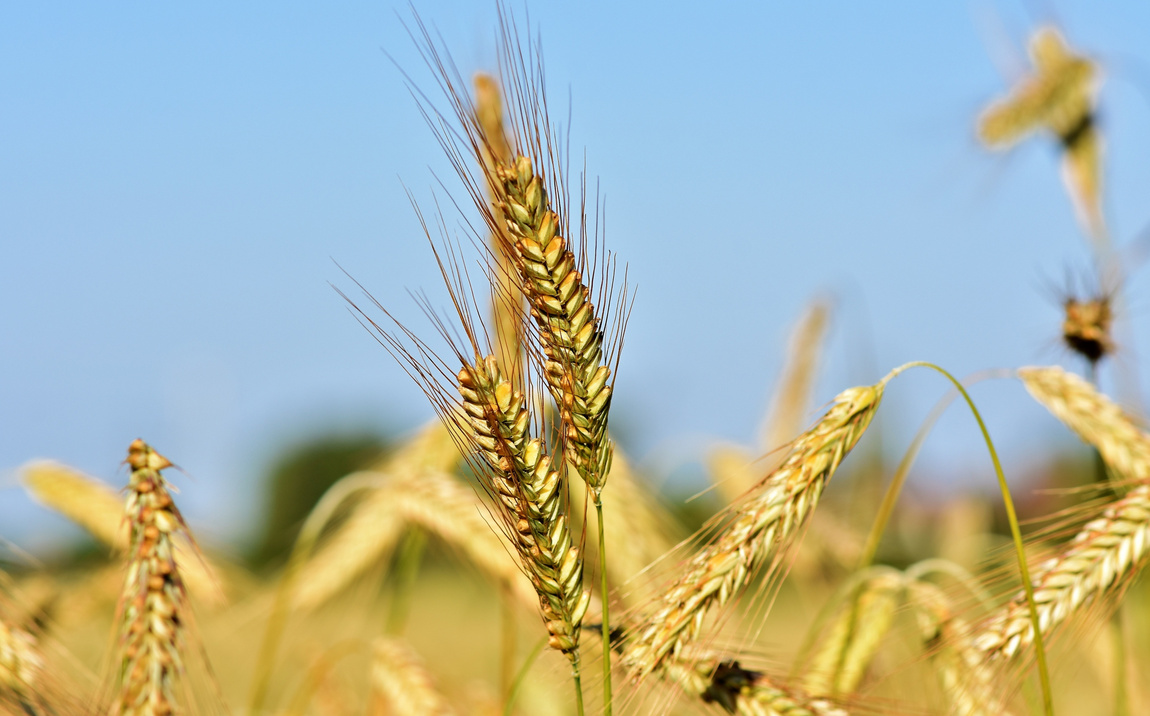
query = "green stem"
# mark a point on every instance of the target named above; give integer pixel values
(1015, 530)
(605, 596)
(508, 706)
(407, 571)
(886, 509)
(578, 685)
(507, 639)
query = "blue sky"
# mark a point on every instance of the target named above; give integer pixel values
(176, 181)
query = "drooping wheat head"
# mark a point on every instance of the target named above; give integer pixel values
(1100, 561)
(153, 603)
(1095, 418)
(374, 525)
(756, 533)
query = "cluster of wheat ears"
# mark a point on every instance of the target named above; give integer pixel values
(523, 395)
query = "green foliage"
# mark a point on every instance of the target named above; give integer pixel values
(299, 478)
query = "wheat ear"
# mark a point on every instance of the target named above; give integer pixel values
(94, 506)
(528, 492)
(1095, 418)
(843, 654)
(1105, 554)
(569, 331)
(153, 603)
(401, 684)
(507, 304)
(756, 533)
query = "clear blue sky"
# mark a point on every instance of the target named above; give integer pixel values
(175, 181)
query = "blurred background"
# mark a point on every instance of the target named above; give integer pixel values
(181, 185)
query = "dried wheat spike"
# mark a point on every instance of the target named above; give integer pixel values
(569, 330)
(742, 691)
(1086, 328)
(1095, 418)
(1101, 560)
(1058, 97)
(528, 492)
(153, 603)
(401, 684)
(755, 534)
(21, 667)
(967, 681)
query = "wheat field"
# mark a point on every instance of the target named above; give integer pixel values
(509, 556)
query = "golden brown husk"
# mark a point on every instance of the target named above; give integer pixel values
(153, 603)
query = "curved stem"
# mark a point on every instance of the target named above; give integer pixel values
(1015, 531)
(508, 706)
(605, 598)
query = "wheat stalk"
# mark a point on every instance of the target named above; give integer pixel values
(401, 684)
(153, 603)
(756, 533)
